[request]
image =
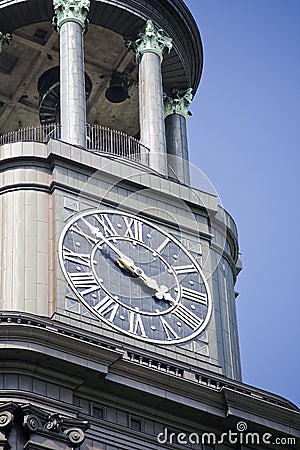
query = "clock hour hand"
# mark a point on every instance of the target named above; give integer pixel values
(127, 263)
(138, 272)
(161, 291)
(149, 282)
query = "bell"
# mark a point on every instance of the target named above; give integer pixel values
(117, 91)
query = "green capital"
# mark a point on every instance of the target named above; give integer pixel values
(70, 11)
(177, 103)
(151, 40)
(4, 39)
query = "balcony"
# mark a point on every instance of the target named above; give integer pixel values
(100, 140)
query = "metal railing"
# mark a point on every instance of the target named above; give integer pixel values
(40, 133)
(99, 139)
(107, 140)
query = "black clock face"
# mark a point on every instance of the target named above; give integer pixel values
(134, 276)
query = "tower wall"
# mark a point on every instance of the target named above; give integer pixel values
(37, 201)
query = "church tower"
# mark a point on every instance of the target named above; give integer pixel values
(117, 276)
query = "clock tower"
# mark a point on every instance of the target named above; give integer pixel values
(118, 311)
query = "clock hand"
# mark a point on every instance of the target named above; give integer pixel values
(122, 258)
(161, 291)
(138, 272)
(163, 294)
(128, 263)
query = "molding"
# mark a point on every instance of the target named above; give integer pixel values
(118, 360)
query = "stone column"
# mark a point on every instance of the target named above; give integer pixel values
(176, 114)
(149, 47)
(70, 20)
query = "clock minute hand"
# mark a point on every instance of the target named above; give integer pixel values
(127, 263)
(95, 230)
(123, 260)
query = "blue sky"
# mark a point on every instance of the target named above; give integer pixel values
(244, 134)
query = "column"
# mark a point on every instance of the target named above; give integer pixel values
(176, 114)
(149, 47)
(70, 20)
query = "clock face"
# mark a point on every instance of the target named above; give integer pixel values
(134, 276)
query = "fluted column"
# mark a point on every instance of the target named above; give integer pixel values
(176, 114)
(149, 47)
(70, 20)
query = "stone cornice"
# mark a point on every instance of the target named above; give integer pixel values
(122, 361)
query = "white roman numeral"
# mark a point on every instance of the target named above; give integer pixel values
(84, 280)
(171, 334)
(194, 296)
(136, 325)
(179, 270)
(77, 258)
(107, 305)
(108, 228)
(187, 316)
(134, 228)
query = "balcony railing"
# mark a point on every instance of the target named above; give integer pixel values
(99, 139)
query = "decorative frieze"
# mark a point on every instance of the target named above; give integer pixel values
(70, 11)
(150, 40)
(178, 103)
